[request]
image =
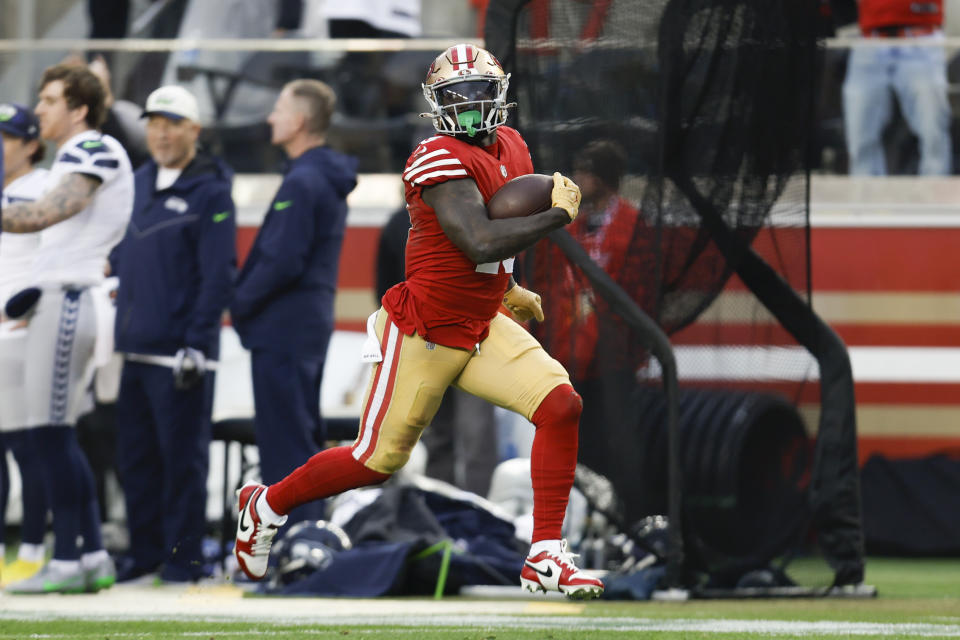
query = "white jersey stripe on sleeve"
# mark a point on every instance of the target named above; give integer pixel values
(434, 174)
(426, 157)
(432, 165)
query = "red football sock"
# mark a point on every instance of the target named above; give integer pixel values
(325, 474)
(553, 460)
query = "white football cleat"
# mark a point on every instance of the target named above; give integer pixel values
(556, 572)
(254, 537)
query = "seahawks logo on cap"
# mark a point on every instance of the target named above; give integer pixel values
(7, 111)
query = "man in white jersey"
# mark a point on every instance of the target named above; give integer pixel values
(22, 182)
(82, 215)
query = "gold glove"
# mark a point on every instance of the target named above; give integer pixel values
(566, 195)
(523, 304)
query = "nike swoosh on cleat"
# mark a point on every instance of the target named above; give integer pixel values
(546, 574)
(245, 528)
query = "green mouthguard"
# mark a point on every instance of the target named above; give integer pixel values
(470, 120)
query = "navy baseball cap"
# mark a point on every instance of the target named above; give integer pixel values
(18, 121)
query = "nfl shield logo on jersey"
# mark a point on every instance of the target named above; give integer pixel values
(503, 171)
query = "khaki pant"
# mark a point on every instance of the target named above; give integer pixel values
(510, 369)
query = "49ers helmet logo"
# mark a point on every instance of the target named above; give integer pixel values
(466, 88)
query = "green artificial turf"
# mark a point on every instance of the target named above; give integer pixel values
(918, 598)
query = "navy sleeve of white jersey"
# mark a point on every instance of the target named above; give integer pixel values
(91, 157)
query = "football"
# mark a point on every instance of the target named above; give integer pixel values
(522, 196)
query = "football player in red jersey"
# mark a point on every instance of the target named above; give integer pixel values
(441, 326)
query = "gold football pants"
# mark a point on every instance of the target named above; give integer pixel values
(510, 369)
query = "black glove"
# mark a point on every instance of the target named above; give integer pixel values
(189, 368)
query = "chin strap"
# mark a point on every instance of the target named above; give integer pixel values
(470, 120)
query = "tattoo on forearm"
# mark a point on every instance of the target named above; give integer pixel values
(70, 196)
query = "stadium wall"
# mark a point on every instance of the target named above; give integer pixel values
(884, 275)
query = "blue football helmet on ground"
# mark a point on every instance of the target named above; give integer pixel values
(307, 547)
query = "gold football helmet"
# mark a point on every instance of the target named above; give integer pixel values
(467, 91)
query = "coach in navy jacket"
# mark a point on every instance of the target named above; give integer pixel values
(176, 266)
(283, 305)
(178, 261)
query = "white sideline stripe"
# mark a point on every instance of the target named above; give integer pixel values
(434, 174)
(431, 165)
(424, 158)
(794, 364)
(816, 629)
(378, 395)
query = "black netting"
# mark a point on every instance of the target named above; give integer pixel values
(710, 104)
(714, 92)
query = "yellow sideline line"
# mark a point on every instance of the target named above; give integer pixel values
(228, 591)
(552, 608)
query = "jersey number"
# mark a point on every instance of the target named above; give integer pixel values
(494, 267)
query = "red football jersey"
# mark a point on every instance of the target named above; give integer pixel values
(446, 298)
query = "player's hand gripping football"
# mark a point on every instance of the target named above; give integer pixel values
(566, 195)
(523, 304)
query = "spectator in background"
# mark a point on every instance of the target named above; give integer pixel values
(176, 266)
(109, 19)
(22, 182)
(373, 19)
(83, 212)
(580, 330)
(289, 17)
(380, 86)
(915, 73)
(283, 306)
(461, 442)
